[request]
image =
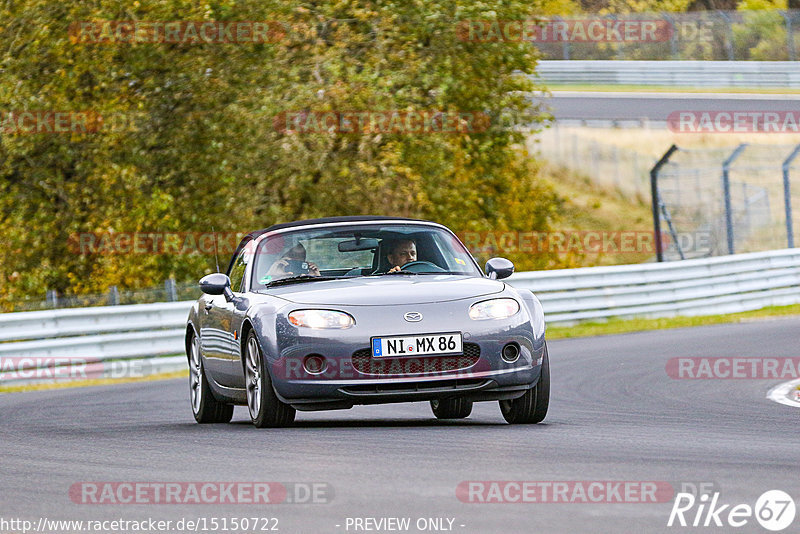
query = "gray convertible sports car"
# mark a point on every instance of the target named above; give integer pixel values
(328, 313)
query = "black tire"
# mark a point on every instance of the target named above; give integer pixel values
(452, 408)
(266, 410)
(205, 408)
(532, 406)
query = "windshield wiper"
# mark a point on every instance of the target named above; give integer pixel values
(300, 278)
(425, 272)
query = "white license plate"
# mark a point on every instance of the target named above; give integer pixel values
(383, 347)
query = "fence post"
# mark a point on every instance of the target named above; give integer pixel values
(729, 27)
(673, 39)
(789, 34)
(657, 201)
(565, 49)
(113, 296)
(171, 289)
(51, 297)
(726, 191)
(787, 195)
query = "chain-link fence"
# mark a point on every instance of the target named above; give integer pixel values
(170, 291)
(609, 165)
(768, 35)
(727, 200)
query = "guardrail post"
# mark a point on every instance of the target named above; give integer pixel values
(787, 195)
(171, 289)
(726, 191)
(51, 297)
(657, 201)
(113, 296)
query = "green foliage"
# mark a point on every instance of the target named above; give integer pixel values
(762, 35)
(744, 5)
(201, 150)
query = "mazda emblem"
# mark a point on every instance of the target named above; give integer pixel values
(413, 317)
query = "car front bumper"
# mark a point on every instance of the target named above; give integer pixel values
(344, 382)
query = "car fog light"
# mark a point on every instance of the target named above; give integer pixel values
(315, 364)
(511, 352)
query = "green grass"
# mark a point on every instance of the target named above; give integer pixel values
(669, 89)
(621, 326)
(589, 206)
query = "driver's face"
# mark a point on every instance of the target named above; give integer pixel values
(403, 253)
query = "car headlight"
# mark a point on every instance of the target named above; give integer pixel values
(321, 319)
(493, 309)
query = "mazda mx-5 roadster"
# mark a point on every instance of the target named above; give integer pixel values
(328, 313)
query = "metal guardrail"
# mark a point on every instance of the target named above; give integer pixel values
(722, 284)
(752, 74)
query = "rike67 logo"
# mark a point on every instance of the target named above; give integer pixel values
(774, 510)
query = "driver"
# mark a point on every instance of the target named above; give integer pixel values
(292, 262)
(401, 252)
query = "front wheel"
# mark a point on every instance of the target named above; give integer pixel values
(453, 408)
(205, 407)
(532, 406)
(266, 410)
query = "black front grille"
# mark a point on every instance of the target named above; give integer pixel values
(363, 362)
(418, 387)
(472, 349)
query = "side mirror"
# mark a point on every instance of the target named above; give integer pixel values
(216, 284)
(499, 268)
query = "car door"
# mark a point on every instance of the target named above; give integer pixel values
(226, 318)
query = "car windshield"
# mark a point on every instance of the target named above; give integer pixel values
(359, 250)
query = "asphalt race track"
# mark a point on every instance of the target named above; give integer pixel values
(567, 105)
(615, 415)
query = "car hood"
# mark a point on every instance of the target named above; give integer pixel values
(387, 290)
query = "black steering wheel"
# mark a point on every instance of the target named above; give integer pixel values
(421, 266)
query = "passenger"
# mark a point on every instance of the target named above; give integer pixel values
(293, 263)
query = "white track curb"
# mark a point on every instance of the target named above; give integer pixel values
(786, 393)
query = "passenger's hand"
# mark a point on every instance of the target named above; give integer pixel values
(279, 268)
(313, 270)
